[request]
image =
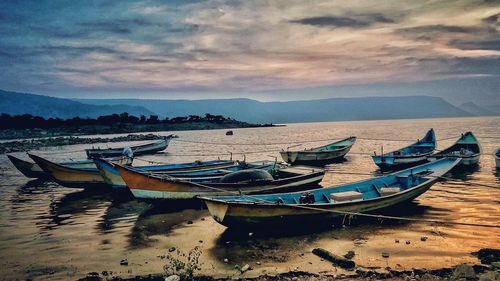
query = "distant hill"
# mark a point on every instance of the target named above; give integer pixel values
(14, 103)
(335, 109)
(476, 109)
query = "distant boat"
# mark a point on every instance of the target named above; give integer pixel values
(467, 148)
(229, 133)
(74, 176)
(320, 205)
(148, 148)
(32, 170)
(151, 186)
(319, 155)
(112, 177)
(497, 158)
(411, 155)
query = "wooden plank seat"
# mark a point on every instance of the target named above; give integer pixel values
(386, 191)
(346, 196)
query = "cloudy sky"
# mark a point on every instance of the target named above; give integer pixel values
(269, 50)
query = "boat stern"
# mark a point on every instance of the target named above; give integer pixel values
(217, 209)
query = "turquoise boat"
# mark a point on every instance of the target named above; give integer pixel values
(467, 148)
(321, 155)
(323, 204)
(112, 177)
(408, 156)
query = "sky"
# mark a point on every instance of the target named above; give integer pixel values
(267, 50)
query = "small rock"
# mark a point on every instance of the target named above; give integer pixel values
(349, 255)
(250, 233)
(124, 262)
(423, 238)
(463, 271)
(202, 219)
(171, 249)
(246, 267)
(226, 260)
(200, 241)
(189, 222)
(258, 263)
(408, 242)
(295, 278)
(495, 264)
(396, 241)
(385, 255)
(104, 273)
(173, 278)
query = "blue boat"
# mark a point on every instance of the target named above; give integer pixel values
(320, 205)
(467, 148)
(411, 155)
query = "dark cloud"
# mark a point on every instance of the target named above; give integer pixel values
(438, 28)
(488, 44)
(493, 19)
(336, 21)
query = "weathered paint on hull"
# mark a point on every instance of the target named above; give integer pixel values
(249, 215)
(151, 187)
(191, 194)
(315, 158)
(464, 162)
(392, 163)
(28, 169)
(70, 177)
(143, 150)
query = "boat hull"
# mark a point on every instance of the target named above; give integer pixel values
(467, 161)
(238, 216)
(28, 169)
(391, 163)
(144, 186)
(113, 178)
(138, 150)
(72, 176)
(319, 156)
(497, 161)
(327, 203)
(313, 158)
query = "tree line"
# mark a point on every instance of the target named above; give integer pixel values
(28, 121)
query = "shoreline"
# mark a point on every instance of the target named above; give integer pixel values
(35, 133)
(487, 269)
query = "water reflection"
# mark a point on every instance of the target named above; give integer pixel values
(161, 218)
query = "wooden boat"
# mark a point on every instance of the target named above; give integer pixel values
(150, 186)
(320, 205)
(74, 176)
(319, 155)
(497, 158)
(467, 148)
(148, 148)
(112, 177)
(411, 155)
(32, 170)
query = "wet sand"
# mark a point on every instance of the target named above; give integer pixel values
(48, 232)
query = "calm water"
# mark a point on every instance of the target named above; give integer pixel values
(51, 232)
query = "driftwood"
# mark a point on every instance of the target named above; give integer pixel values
(337, 260)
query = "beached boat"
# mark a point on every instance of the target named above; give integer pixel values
(497, 158)
(150, 186)
(320, 205)
(148, 148)
(467, 148)
(32, 170)
(319, 155)
(112, 177)
(411, 155)
(74, 176)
